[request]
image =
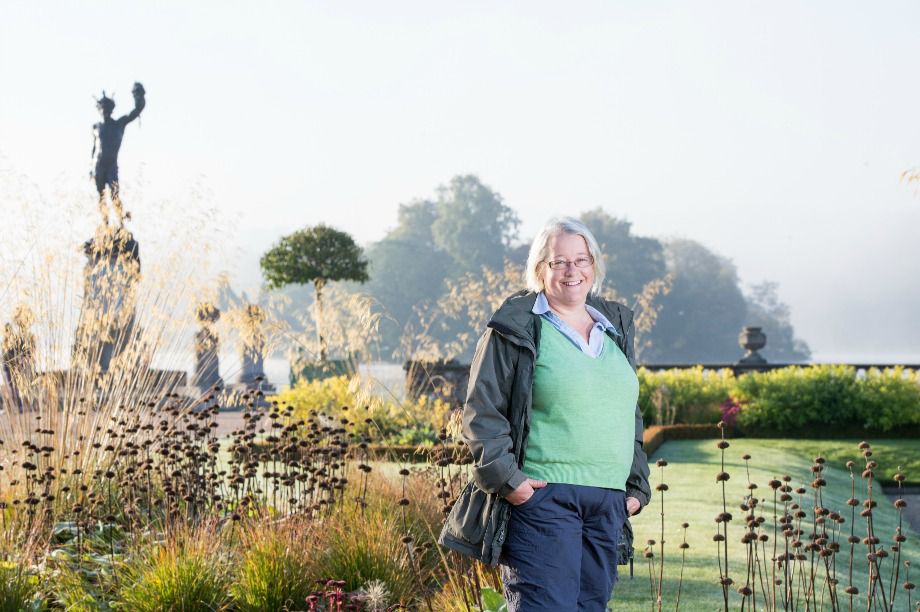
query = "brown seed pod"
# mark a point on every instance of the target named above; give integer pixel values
(661, 463)
(722, 476)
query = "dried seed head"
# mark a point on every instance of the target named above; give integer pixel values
(661, 463)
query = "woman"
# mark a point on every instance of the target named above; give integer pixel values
(554, 427)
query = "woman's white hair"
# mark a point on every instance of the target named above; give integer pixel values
(539, 250)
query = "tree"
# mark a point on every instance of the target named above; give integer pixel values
(314, 255)
(632, 261)
(473, 225)
(701, 316)
(403, 274)
(464, 228)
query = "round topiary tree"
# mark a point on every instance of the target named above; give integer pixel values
(315, 255)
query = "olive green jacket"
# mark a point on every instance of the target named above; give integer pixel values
(496, 422)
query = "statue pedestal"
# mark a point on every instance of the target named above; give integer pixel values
(108, 334)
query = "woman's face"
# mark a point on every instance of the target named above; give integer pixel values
(567, 285)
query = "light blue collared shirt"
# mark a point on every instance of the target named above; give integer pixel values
(595, 344)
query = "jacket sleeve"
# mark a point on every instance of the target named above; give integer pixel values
(637, 483)
(486, 428)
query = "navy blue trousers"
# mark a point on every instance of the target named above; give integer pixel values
(561, 550)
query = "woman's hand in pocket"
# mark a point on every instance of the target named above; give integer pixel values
(632, 505)
(524, 491)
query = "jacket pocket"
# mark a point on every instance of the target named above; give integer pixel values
(469, 518)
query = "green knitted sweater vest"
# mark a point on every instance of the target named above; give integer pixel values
(582, 424)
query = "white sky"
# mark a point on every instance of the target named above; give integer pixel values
(775, 133)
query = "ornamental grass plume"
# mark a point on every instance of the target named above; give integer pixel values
(189, 571)
(274, 573)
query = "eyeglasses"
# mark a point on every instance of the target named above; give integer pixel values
(562, 264)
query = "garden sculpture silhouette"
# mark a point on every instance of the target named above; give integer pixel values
(108, 135)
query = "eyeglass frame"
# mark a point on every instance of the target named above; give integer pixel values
(588, 258)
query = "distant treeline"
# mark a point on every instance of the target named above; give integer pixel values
(468, 226)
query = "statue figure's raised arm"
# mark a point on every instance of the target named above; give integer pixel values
(139, 103)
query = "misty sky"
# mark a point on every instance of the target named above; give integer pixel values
(775, 133)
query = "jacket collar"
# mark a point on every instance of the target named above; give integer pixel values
(515, 318)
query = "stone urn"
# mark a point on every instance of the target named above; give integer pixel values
(752, 339)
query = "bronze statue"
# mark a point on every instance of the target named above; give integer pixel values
(108, 135)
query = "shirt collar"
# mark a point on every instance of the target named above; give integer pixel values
(541, 307)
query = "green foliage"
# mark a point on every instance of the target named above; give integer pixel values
(890, 398)
(276, 571)
(391, 422)
(77, 589)
(694, 395)
(829, 397)
(184, 574)
(311, 255)
(493, 601)
(19, 589)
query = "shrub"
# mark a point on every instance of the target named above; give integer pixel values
(694, 394)
(793, 398)
(411, 421)
(276, 571)
(185, 573)
(828, 399)
(890, 399)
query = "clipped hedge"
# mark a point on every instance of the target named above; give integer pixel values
(830, 400)
(693, 394)
(796, 401)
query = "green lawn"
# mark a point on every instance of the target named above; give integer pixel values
(695, 497)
